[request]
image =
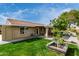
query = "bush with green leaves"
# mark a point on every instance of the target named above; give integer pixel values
(60, 24)
(61, 41)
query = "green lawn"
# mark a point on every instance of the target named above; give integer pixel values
(32, 47)
(73, 50)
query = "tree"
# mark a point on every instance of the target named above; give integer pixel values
(72, 16)
(60, 24)
(65, 19)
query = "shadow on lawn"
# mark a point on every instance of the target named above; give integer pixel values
(28, 40)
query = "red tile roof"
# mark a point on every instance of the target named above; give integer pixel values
(22, 23)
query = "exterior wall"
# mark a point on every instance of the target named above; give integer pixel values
(31, 31)
(7, 33)
(13, 32)
(27, 32)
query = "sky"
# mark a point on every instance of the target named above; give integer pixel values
(34, 12)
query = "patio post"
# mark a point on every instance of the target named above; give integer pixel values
(46, 33)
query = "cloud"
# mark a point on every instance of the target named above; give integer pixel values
(15, 14)
(13, 4)
(4, 16)
(66, 10)
(47, 15)
(19, 14)
(50, 14)
(2, 19)
(39, 15)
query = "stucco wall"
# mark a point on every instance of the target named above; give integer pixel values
(7, 33)
(13, 32)
(27, 32)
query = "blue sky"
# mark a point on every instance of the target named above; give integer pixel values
(34, 12)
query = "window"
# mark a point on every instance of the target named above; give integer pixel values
(22, 30)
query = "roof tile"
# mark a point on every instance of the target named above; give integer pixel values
(22, 23)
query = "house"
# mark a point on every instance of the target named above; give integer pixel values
(15, 29)
(75, 27)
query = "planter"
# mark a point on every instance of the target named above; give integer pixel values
(60, 48)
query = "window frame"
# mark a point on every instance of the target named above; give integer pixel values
(22, 30)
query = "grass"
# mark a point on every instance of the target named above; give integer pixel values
(32, 47)
(73, 50)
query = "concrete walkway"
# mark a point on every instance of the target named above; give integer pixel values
(4, 42)
(73, 39)
(49, 38)
(16, 40)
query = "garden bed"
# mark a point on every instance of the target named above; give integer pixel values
(60, 48)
